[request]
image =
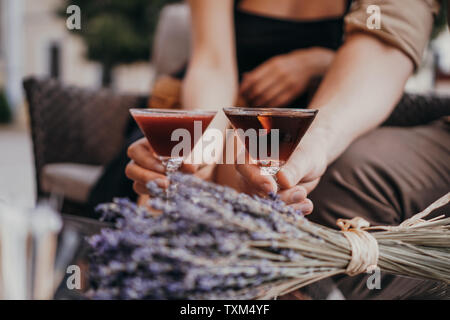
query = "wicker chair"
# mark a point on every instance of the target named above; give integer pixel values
(75, 132)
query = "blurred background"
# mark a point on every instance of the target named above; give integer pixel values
(123, 46)
(112, 49)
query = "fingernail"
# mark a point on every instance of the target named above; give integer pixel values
(306, 208)
(297, 196)
(163, 183)
(159, 167)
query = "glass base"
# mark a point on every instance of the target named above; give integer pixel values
(269, 171)
(269, 168)
(171, 164)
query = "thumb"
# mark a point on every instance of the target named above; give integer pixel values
(292, 172)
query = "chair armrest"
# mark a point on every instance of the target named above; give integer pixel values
(416, 109)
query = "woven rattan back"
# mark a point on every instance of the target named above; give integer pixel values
(70, 124)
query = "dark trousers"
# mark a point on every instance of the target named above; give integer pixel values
(385, 177)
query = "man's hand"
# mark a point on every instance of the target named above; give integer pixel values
(295, 197)
(299, 176)
(307, 163)
(283, 78)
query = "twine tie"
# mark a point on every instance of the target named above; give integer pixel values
(363, 245)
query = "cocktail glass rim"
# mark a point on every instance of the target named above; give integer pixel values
(171, 111)
(262, 110)
(268, 167)
(171, 164)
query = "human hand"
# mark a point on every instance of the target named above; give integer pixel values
(227, 174)
(144, 167)
(283, 78)
(301, 173)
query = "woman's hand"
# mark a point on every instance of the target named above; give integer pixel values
(283, 78)
(144, 167)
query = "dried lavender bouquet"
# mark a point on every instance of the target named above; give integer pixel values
(211, 242)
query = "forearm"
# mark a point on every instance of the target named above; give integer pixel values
(211, 79)
(364, 83)
(317, 61)
(208, 88)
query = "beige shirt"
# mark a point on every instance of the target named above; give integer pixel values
(405, 24)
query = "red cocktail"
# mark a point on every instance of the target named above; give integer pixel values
(159, 124)
(291, 125)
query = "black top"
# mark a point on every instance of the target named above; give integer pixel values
(259, 38)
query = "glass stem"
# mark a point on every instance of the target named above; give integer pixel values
(269, 168)
(172, 165)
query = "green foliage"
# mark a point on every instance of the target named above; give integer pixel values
(117, 31)
(5, 111)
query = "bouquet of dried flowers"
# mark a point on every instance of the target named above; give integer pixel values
(211, 242)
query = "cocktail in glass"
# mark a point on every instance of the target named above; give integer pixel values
(159, 124)
(282, 127)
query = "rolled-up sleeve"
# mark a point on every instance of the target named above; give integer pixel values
(404, 24)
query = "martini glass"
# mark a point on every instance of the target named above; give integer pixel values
(291, 125)
(158, 126)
